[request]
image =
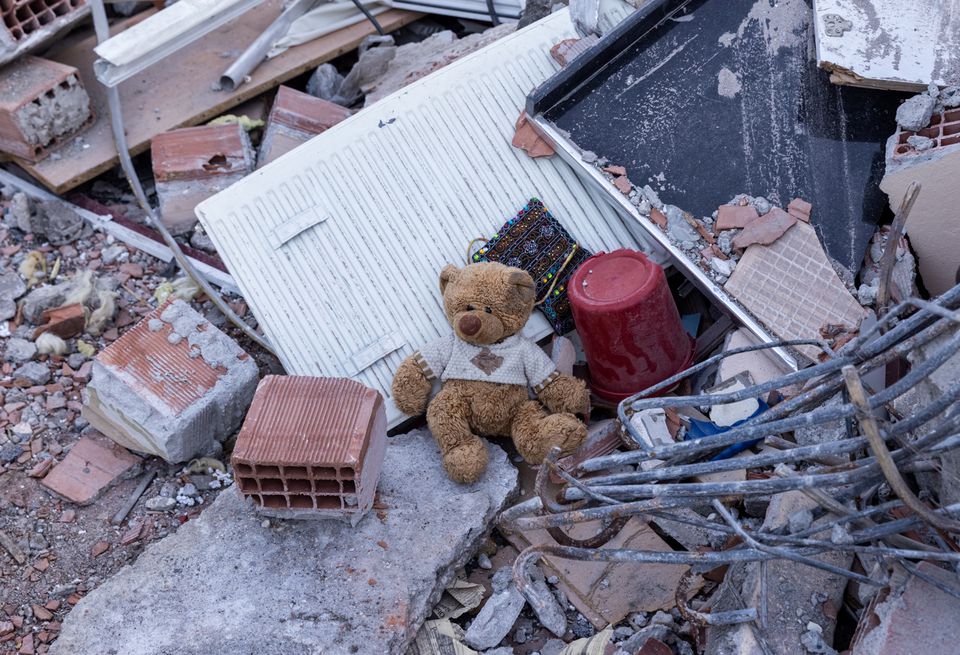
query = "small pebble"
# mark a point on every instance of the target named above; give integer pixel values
(161, 504)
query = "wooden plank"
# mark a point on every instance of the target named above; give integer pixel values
(889, 44)
(177, 92)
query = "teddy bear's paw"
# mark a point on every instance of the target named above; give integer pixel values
(466, 462)
(411, 389)
(563, 430)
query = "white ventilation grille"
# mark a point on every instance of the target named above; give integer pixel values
(393, 194)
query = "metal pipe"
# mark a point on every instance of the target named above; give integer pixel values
(256, 52)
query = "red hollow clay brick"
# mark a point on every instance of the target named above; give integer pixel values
(33, 89)
(944, 130)
(23, 17)
(196, 153)
(311, 447)
(295, 118)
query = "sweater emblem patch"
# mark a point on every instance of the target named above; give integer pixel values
(487, 361)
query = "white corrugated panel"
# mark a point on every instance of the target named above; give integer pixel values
(337, 245)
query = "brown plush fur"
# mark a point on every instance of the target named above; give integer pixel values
(466, 409)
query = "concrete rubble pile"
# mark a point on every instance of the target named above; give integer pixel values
(173, 481)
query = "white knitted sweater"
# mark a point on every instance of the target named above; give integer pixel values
(515, 360)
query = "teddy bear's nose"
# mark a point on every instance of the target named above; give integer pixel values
(469, 325)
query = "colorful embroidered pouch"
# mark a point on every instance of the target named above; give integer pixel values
(536, 242)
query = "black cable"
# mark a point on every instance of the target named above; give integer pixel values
(372, 19)
(496, 21)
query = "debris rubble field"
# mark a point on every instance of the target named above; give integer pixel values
(387, 327)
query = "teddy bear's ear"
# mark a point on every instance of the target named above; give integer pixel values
(526, 289)
(448, 274)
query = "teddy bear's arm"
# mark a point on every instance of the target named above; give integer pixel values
(411, 387)
(412, 382)
(558, 392)
(566, 394)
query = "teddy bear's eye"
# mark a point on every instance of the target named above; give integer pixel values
(488, 310)
(470, 308)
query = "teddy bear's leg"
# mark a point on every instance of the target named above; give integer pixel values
(464, 455)
(535, 432)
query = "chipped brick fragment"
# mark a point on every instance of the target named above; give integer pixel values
(800, 209)
(172, 391)
(89, 469)
(528, 139)
(65, 322)
(765, 230)
(658, 217)
(42, 103)
(731, 217)
(623, 184)
(193, 163)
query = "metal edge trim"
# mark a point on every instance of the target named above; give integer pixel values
(592, 176)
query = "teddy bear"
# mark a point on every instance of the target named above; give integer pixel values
(487, 369)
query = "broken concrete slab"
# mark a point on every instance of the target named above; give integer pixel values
(172, 386)
(791, 287)
(296, 585)
(42, 102)
(91, 467)
(813, 435)
(929, 389)
(913, 616)
(915, 113)
(797, 595)
(193, 163)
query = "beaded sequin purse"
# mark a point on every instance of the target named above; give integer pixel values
(534, 241)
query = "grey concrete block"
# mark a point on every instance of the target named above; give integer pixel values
(173, 386)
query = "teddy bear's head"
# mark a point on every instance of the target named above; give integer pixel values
(486, 302)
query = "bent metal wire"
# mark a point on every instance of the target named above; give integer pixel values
(878, 447)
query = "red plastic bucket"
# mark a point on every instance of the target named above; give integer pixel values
(628, 323)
